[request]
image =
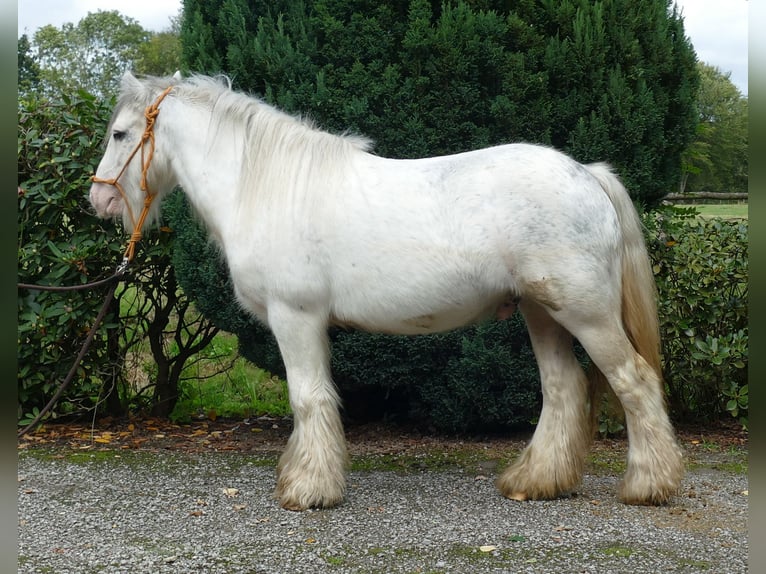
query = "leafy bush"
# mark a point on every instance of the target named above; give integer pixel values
(701, 270)
(482, 377)
(60, 242)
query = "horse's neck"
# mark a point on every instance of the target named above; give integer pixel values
(207, 172)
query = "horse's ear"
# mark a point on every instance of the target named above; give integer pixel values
(178, 76)
(129, 81)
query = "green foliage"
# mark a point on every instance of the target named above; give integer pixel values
(60, 242)
(482, 377)
(613, 80)
(236, 388)
(701, 269)
(28, 70)
(159, 56)
(717, 159)
(91, 55)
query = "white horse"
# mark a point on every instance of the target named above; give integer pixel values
(318, 231)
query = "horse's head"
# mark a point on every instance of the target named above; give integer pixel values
(131, 161)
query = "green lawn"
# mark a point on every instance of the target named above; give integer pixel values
(725, 210)
(227, 385)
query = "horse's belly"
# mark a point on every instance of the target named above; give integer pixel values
(402, 320)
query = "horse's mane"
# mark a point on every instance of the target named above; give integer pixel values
(278, 147)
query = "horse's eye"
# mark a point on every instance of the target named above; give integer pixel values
(118, 135)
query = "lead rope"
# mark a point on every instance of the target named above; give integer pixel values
(150, 113)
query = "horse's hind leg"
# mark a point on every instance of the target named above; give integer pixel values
(311, 471)
(552, 463)
(655, 464)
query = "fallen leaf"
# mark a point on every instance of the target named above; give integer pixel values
(310, 540)
(196, 513)
(239, 506)
(488, 548)
(230, 492)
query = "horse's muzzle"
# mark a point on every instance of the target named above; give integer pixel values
(106, 200)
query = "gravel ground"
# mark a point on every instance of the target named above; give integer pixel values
(163, 512)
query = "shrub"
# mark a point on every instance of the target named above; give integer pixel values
(482, 377)
(701, 270)
(60, 242)
(606, 81)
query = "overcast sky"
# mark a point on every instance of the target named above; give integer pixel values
(718, 28)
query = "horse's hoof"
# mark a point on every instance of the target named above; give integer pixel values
(520, 496)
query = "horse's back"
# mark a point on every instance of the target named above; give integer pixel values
(428, 245)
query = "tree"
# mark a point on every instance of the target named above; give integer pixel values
(28, 70)
(91, 55)
(610, 80)
(161, 54)
(717, 159)
(61, 128)
(61, 242)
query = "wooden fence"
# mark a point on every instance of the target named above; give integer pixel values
(707, 197)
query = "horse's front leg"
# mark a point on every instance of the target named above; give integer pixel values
(311, 471)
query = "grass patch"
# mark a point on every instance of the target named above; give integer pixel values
(606, 462)
(723, 210)
(697, 565)
(468, 459)
(223, 384)
(618, 551)
(214, 382)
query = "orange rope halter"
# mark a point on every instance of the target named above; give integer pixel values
(150, 113)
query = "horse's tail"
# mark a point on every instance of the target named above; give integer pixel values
(639, 291)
